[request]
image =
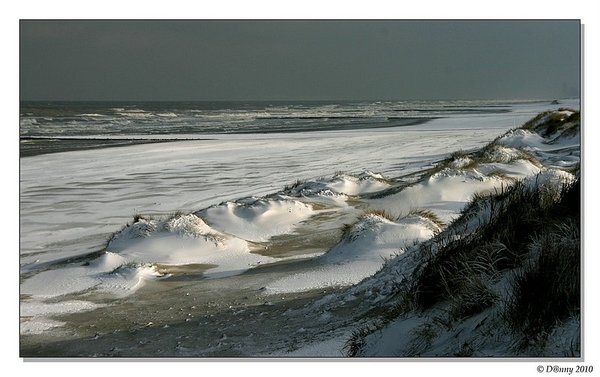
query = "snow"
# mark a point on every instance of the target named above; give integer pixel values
(43, 323)
(235, 204)
(371, 241)
(181, 241)
(257, 220)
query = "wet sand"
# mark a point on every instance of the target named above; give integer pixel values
(189, 316)
(38, 146)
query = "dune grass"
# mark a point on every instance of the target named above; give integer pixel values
(522, 261)
(293, 186)
(514, 216)
(429, 215)
(511, 263)
(547, 289)
(549, 123)
(380, 213)
(138, 217)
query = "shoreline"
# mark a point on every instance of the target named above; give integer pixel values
(37, 146)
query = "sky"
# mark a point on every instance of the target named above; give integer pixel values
(298, 59)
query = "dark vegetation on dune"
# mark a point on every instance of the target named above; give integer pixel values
(511, 263)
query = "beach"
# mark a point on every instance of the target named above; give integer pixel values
(243, 245)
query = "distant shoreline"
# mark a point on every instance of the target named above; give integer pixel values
(39, 145)
(36, 146)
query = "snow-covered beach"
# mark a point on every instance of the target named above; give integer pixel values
(248, 245)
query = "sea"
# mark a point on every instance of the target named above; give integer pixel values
(47, 127)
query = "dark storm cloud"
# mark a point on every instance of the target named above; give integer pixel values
(231, 60)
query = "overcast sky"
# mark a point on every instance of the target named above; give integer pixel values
(299, 60)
